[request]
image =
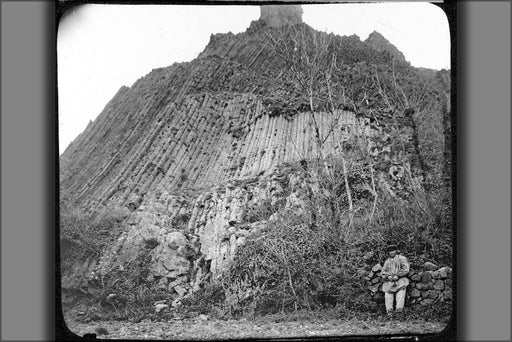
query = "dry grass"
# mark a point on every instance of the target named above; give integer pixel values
(264, 327)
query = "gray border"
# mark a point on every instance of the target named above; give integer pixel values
(28, 155)
(484, 178)
(28, 182)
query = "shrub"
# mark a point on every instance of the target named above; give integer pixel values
(262, 210)
(135, 292)
(207, 300)
(180, 221)
(84, 235)
(293, 266)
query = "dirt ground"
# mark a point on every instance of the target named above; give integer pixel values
(196, 328)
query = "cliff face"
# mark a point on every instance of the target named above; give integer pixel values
(191, 150)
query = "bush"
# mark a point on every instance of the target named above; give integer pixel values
(135, 292)
(262, 211)
(415, 234)
(84, 235)
(207, 300)
(180, 221)
(293, 266)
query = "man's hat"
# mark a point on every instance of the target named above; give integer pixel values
(391, 248)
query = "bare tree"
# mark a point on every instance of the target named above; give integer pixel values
(312, 61)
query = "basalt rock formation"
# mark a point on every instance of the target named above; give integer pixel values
(279, 15)
(189, 151)
(379, 43)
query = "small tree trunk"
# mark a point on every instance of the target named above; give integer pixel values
(374, 193)
(347, 187)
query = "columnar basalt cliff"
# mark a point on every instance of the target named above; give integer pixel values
(188, 151)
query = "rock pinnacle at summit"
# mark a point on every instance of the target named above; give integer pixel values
(280, 15)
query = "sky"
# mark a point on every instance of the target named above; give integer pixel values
(103, 47)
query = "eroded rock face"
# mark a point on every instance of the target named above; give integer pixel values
(194, 152)
(197, 233)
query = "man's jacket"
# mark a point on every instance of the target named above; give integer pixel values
(396, 266)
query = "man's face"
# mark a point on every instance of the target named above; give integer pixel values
(392, 253)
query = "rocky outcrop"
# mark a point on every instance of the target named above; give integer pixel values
(379, 43)
(280, 15)
(197, 153)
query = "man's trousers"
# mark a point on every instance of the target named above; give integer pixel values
(400, 299)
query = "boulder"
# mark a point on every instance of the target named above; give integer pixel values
(231, 230)
(433, 294)
(448, 293)
(416, 277)
(376, 268)
(426, 277)
(162, 283)
(427, 301)
(435, 275)
(415, 293)
(240, 241)
(179, 281)
(180, 290)
(439, 284)
(160, 307)
(185, 251)
(429, 266)
(448, 282)
(166, 262)
(175, 240)
(242, 233)
(445, 272)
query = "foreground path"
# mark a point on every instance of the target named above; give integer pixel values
(219, 329)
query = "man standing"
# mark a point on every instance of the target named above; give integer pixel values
(394, 271)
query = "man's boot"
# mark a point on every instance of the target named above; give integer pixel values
(389, 314)
(400, 313)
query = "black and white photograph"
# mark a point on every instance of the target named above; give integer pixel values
(251, 170)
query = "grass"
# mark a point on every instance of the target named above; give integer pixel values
(298, 324)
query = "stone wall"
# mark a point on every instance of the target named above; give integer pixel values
(428, 284)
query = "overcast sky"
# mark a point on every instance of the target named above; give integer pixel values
(103, 47)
